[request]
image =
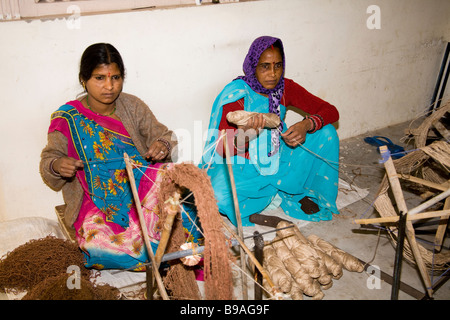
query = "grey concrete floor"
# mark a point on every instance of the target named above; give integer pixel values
(359, 164)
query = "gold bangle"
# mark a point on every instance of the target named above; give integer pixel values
(53, 170)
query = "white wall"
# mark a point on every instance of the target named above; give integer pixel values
(179, 59)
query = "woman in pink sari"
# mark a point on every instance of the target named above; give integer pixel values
(84, 158)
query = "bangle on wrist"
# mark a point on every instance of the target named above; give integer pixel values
(53, 170)
(166, 143)
(320, 120)
(313, 125)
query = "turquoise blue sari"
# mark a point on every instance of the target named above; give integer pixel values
(309, 170)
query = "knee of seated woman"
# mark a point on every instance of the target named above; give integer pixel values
(327, 132)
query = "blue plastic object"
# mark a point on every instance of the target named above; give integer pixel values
(396, 151)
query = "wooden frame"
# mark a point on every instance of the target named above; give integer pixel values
(34, 9)
(414, 214)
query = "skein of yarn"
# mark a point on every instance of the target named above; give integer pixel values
(276, 269)
(241, 117)
(348, 261)
(301, 265)
(307, 284)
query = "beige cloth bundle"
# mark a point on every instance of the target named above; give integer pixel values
(241, 117)
(301, 265)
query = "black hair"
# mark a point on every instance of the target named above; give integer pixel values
(278, 44)
(98, 54)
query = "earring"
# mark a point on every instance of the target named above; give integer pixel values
(84, 85)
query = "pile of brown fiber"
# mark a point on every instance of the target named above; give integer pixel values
(56, 288)
(39, 264)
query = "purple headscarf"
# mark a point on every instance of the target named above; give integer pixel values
(258, 46)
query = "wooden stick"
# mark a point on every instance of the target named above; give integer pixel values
(172, 210)
(440, 233)
(259, 255)
(238, 214)
(137, 201)
(401, 204)
(425, 215)
(149, 290)
(437, 186)
(442, 129)
(430, 202)
(442, 228)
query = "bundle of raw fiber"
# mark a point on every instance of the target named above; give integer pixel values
(57, 288)
(37, 260)
(423, 131)
(241, 117)
(304, 266)
(180, 279)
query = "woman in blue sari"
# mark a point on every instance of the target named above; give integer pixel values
(298, 164)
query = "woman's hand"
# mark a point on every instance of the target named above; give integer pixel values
(67, 167)
(157, 152)
(296, 134)
(250, 130)
(257, 123)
